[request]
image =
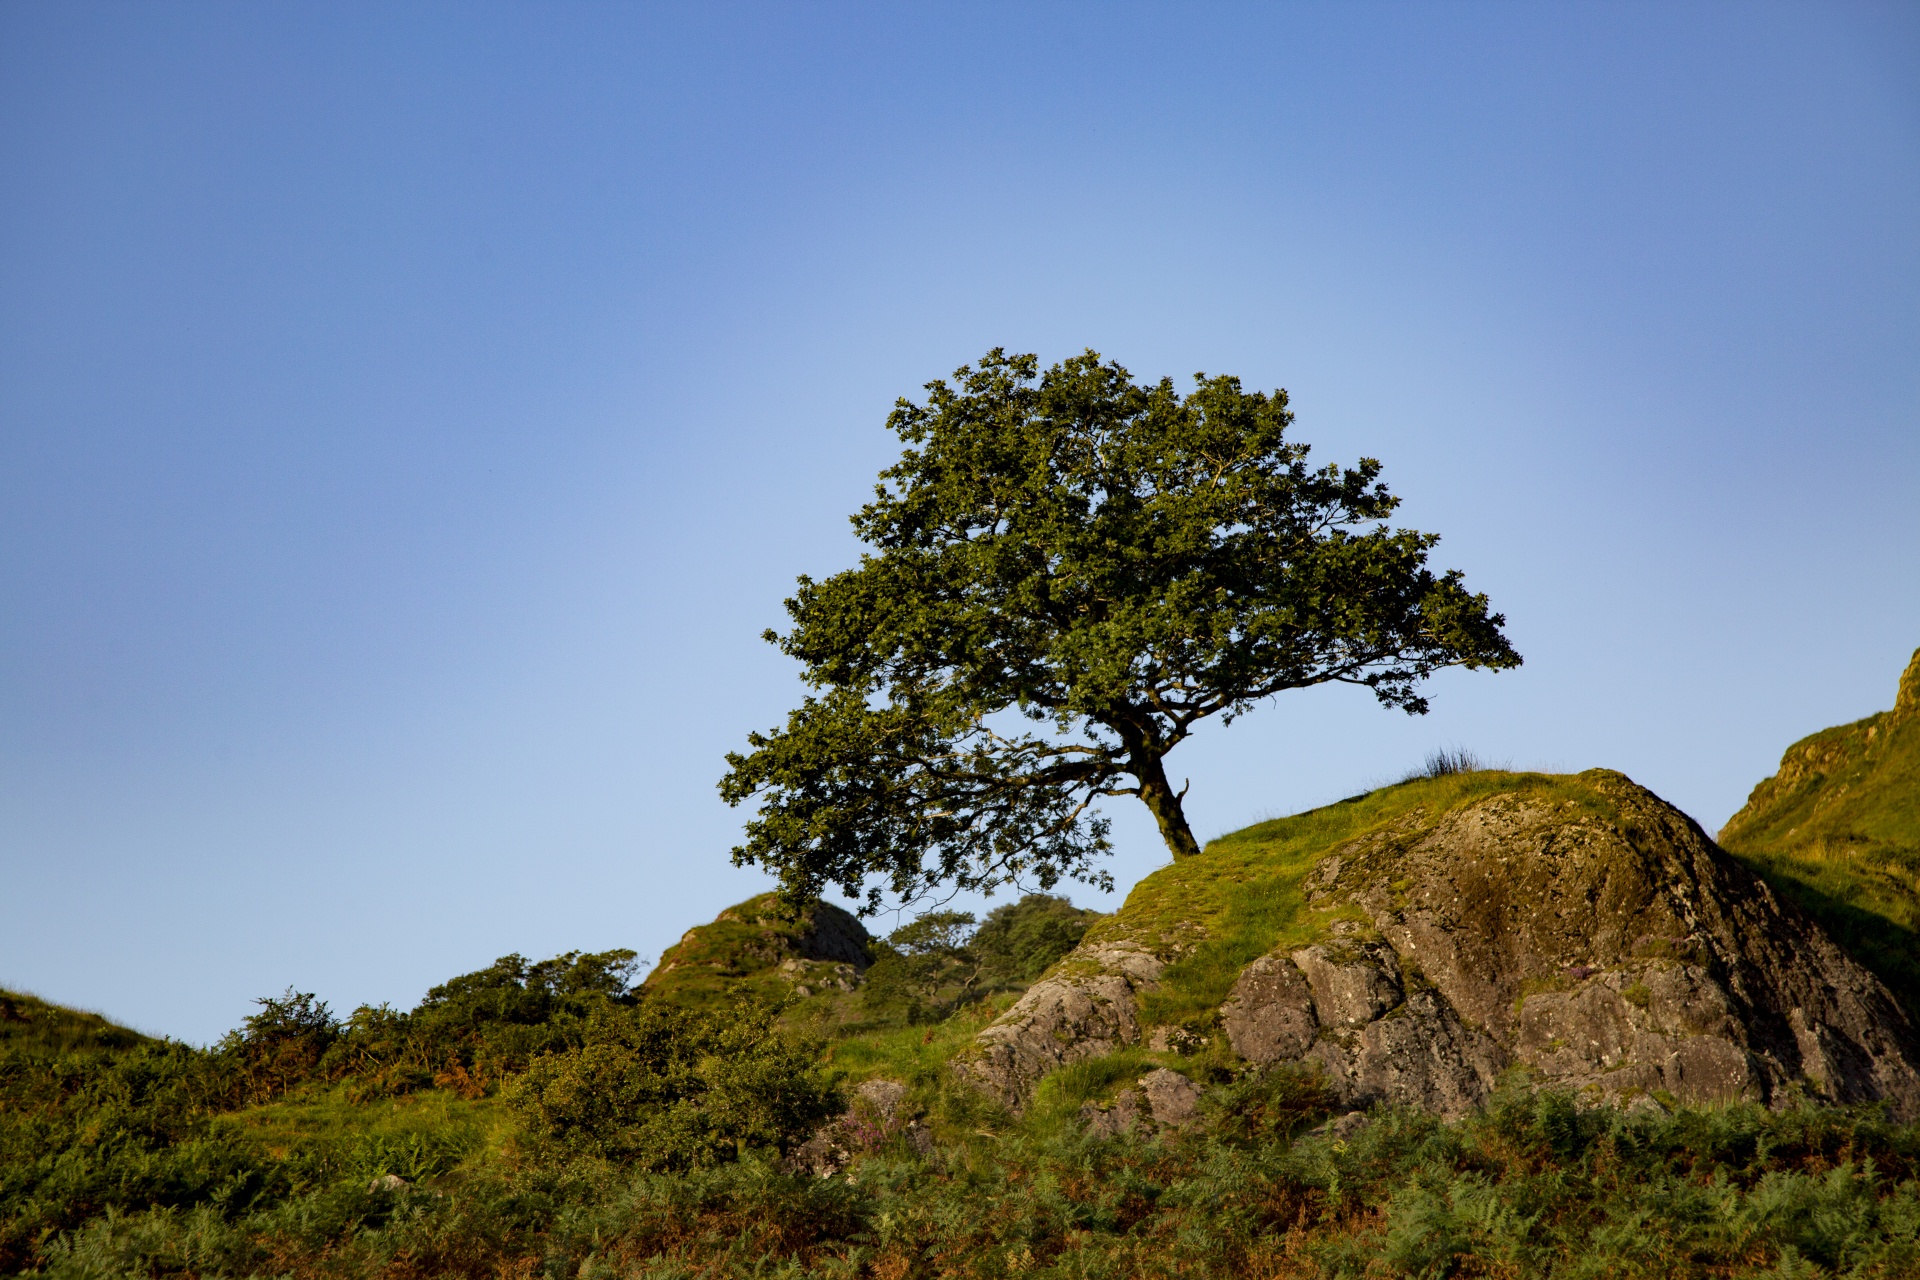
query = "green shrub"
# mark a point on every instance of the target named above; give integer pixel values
(663, 1087)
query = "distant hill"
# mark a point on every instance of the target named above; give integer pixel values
(1837, 829)
(756, 948)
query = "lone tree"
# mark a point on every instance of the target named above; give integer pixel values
(1071, 570)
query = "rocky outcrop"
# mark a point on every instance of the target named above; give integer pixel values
(830, 934)
(1085, 1010)
(760, 947)
(1377, 1032)
(1584, 931)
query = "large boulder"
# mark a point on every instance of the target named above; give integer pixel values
(1084, 1009)
(1579, 928)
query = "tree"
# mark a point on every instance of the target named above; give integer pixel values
(1071, 570)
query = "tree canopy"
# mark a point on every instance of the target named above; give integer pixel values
(1069, 571)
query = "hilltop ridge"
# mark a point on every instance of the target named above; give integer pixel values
(1837, 829)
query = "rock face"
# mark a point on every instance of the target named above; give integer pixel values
(1163, 1099)
(1837, 828)
(1083, 1013)
(1589, 933)
(1374, 1029)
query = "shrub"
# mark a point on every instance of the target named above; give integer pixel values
(663, 1087)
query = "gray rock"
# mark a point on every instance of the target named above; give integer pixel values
(876, 1114)
(1061, 1020)
(1269, 1017)
(388, 1182)
(1343, 1127)
(1120, 1117)
(833, 935)
(883, 1096)
(1620, 955)
(1352, 983)
(1172, 1099)
(1419, 1054)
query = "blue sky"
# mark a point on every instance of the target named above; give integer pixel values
(410, 416)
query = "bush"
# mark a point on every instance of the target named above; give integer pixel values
(663, 1087)
(282, 1045)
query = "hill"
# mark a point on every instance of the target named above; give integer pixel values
(32, 1026)
(1415, 944)
(1837, 830)
(1313, 1050)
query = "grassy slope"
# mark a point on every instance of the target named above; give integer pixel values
(417, 1136)
(740, 954)
(737, 954)
(1243, 897)
(1837, 829)
(1240, 899)
(30, 1026)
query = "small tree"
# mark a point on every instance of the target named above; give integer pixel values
(1070, 571)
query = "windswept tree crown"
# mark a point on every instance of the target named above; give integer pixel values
(1069, 571)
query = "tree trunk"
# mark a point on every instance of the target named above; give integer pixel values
(1161, 798)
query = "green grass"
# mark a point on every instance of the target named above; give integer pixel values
(30, 1025)
(1837, 830)
(738, 953)
(418, 1136)
(1534, 1187)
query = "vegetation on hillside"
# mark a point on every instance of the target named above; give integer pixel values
(1837, 829)
(1534, 1187)
(552, 1118)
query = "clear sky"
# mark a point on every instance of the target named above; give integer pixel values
(410, 415)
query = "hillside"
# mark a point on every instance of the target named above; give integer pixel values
(30, 1025)
(1414, 945)
(1313, 1050)
(1837, 829)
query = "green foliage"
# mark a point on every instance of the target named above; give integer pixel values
(1837, 830)
(30, 1025)
(85, 1131)
(1021, 940)
(931, 966)
(1070, 570)
(1534, 1187)
(661, 1087)
(474, 1031)
(761, 949)
(935, 933)
(96, 1119)
(282, 1045)
(1444, 761)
